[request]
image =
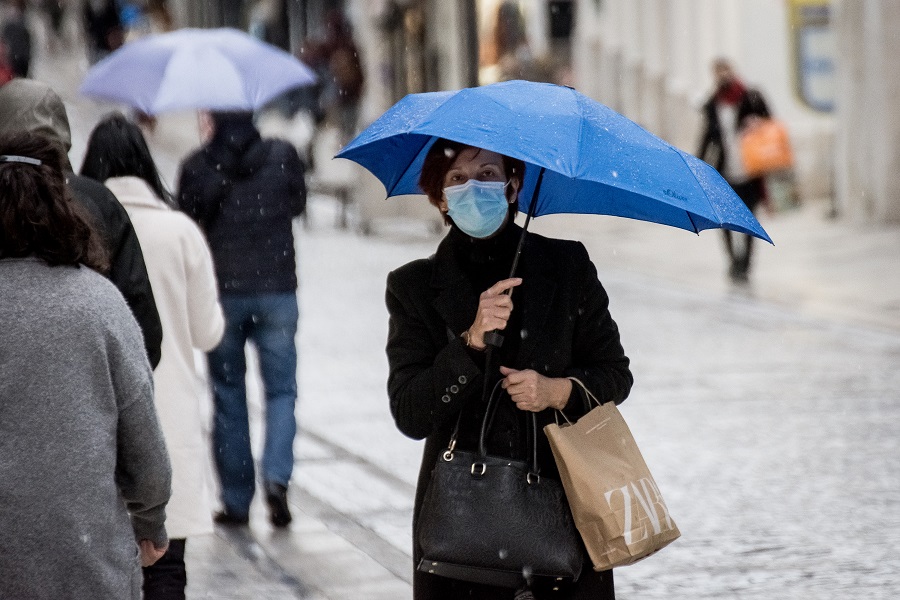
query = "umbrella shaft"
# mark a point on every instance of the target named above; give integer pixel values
(529, 214)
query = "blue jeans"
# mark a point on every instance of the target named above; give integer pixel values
(269, 321)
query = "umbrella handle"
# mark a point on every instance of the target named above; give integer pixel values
(495, 338)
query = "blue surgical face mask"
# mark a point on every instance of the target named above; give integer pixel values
(478, 208)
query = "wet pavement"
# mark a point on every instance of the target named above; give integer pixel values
(767, 412)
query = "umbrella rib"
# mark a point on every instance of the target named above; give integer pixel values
(708, 200)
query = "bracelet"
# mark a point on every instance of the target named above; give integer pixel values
(468, 340)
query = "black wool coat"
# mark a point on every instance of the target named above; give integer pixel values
(565, 331)
(127, 269)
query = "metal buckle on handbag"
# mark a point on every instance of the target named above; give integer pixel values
(483, 469)
(448, 454)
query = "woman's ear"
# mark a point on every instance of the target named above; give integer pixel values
(515, 184)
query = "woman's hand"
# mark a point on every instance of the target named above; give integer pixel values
(150, 553)
(533, 392)
(494, 308)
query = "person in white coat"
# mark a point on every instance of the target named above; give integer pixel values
(181, 273)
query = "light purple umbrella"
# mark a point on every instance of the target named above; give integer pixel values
(213, 69)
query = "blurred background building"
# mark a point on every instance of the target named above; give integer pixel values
(825, 66)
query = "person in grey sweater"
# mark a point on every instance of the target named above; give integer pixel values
(84, 472)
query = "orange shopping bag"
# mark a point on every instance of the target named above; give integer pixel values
(765, 147)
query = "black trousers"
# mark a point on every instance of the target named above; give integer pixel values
(738, 245)
(167, 578)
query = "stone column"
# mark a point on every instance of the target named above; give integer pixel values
(867, 141)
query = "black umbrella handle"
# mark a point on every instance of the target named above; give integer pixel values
(495, 338)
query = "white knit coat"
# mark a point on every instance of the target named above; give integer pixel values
(180, 267)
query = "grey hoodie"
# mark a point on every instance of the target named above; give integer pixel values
(33, 106)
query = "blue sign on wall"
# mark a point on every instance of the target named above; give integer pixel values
(814, 53)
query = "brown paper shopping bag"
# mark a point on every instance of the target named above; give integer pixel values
(615, 502)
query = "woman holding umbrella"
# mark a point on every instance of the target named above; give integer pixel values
(441, 312)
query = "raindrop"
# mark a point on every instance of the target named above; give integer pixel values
(615, 173)
(85, 538)
(503, 553)
(523, 333)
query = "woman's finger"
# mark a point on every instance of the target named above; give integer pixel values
(503, 285)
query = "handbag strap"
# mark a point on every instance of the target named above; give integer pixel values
(487, 422)
(493, 401)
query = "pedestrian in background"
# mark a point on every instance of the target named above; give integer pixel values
(729, 110)
(84, 474)
(32, 106)
(103, 28)
(244, 191)
(441, 309)
(180, 268)
(17, 38)
(336, 60)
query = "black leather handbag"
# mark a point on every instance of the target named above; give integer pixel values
(493, 520)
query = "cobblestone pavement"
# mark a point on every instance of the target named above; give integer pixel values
(768, 413)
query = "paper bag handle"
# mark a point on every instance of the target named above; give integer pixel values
(590, 396)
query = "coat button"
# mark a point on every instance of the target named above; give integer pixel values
(454, 389)
(445, 398)
(463, 379)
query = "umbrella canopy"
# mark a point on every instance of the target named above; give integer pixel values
(590, 159)
(214, 69)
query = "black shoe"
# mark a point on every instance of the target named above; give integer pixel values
(226, 518)
(276, 498)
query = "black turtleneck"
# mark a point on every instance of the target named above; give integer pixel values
(485, 262)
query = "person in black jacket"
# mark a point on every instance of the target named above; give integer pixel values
(17, 37)
(32, 106)
(245, 191)
(727, 112)
(556, 325)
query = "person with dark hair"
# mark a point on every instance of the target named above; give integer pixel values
(441, 310)
(245, 191)
(730, 109)
(84, 474)
(32, 106)
(180, 268)
(103, 28)
(16, 36)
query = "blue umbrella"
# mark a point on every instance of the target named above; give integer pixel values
(214, 69)
(581, 156)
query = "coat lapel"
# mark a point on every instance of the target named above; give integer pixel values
(456, 302)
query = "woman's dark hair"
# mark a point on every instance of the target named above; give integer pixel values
(441, 157)
(117, 148)
(38, 216)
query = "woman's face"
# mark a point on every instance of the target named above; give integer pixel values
(478, 164)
